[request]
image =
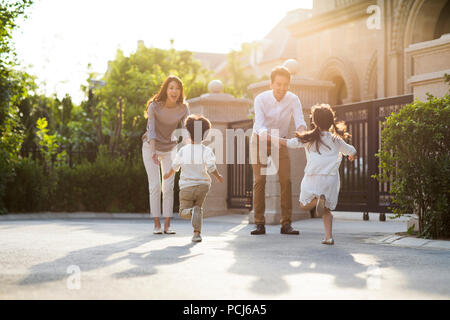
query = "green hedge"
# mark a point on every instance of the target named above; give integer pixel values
(106, 185)
(29, 190)
(415, 157)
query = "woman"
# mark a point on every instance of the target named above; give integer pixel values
(164, 111)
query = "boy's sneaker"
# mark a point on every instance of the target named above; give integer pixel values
(196, 219)
(197, 238)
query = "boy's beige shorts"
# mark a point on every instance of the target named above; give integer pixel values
(190, 197)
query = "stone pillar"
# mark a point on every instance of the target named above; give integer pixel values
(220, 108)
(310, 92)
(430, 60)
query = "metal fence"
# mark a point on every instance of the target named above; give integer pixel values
(76, 156)
(359, 191)
(240, 176)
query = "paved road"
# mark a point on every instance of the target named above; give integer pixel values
(122, 259)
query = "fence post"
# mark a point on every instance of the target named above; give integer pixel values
(70, 155)
(372, 139)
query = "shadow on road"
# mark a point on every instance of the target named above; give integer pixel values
(272, 263)
(102, 256)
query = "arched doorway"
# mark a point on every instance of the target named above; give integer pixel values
(342, 74)
(339, 93)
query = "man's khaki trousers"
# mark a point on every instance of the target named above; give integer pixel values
(259, 180)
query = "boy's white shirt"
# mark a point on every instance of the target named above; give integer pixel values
(329, 160)
(195, 161)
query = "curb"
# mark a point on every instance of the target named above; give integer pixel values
(76, 215)
(410, 242)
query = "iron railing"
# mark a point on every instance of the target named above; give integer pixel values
(359, 190)
(240, 176)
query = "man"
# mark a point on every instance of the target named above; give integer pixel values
(273, 110)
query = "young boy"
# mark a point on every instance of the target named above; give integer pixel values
(195, 161)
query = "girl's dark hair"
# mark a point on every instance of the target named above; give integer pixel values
(189, 123)
(323, 118)
(161, 96)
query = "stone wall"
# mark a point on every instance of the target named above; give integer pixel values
(220, 109)
(430, 60)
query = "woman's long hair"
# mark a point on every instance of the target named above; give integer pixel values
(323, 118)
(161, 96)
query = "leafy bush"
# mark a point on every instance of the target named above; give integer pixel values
(415, 157)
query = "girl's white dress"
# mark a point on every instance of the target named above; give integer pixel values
(322, 170)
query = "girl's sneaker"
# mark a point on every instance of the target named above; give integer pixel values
(328, 241)
(157, 231)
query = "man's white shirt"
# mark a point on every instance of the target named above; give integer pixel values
(273, 114)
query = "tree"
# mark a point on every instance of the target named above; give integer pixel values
(238, 78)
(11, 132)
(118, 107)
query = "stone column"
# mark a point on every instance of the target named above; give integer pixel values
(310, 92)
(220, 108)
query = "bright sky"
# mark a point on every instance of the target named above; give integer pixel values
(60, 38)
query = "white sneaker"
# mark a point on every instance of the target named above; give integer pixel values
(197, 238)
(328, 241)
(157, 231)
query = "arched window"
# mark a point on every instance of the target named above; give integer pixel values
(443, 23)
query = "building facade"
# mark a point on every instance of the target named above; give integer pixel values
(367, 47)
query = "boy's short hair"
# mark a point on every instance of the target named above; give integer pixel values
(189, 123)
(280, 71)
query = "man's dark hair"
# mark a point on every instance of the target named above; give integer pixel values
(280, 71)
(189, 123)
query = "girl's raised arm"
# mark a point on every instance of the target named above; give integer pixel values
(345, 148)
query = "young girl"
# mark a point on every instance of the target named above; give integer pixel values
(324, 149)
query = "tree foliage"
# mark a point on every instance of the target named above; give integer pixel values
(11, 92)
(238, 77)
(130, 82)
